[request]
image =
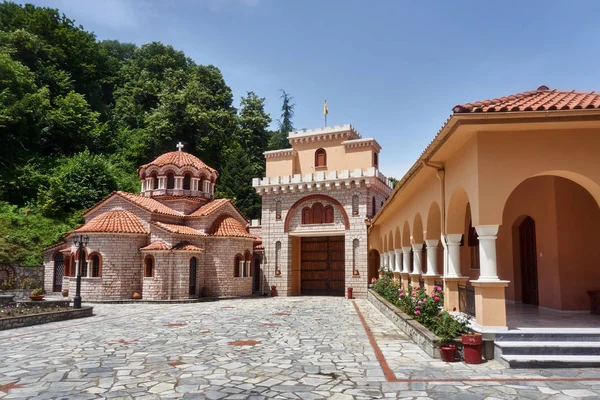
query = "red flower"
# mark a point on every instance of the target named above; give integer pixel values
(437, 299)
(454, 309)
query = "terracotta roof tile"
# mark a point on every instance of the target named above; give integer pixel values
(542, 99)
(178, 159)
(60, 243)
(157, 245)
(180, 229)
(116, 220)
(149, 204)
(185, 246)
(209, 208)
(229, 226)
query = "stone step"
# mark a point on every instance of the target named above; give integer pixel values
(549, 348)
(534, 337)
(550, 361)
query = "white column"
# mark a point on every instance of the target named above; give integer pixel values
(88, 271)
(76, 267)
(149, 184)
(392, 261)
(241, 269)
(406, 259)
(488, 268)
(417, 259)
(178, 183)
(385, 261)
(212, 188)
(143, 184)
(432, 247)
(381, 260)
(398, 258)
(454, 255)
(162, 182)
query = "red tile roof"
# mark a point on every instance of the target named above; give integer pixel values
(209, 208)
(157, 245)
(180, 229)
(185, 246)
(149, 204)
(116, 220)
(229, 226)
(541, 99)
(179, 159)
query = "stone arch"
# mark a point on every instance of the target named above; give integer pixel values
(374, 266)
(391, 241)
(316, 197)
(417, 231)
(457, 210)
(384, 243)
(434, 222)
(405, 234)
(397, 239)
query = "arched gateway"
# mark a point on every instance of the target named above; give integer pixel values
(316, 197)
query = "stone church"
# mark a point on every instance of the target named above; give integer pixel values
(316, 198)
(171, 241)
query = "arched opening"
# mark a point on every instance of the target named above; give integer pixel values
(373, 265)
(256, 273)
(306, 215)
(202, 183)
(58, 272)
(170, 180)
(355, 205)
(278, 209)
(96, 265)
(547, 244)
(320, 158)
(317, 213)
(238, 264)
(355, 247)
(67, 262)
(187, 181)
(247, 271)
(193, 276)
(149, 267)
(329, 214)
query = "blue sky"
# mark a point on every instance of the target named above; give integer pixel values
(393, 69)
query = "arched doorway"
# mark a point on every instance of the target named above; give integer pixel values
(528, 262)
(373, 264)
(193, 262)
(58, 272)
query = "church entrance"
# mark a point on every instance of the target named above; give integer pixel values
(322, 266)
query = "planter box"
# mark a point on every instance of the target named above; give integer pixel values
(19, 294)
(426, 340)
(37, 319)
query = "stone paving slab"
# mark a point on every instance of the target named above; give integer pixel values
(297, 348)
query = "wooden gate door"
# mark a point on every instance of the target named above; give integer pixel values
(59, 269)
(323, 266)
(528, 250)
(192, 279)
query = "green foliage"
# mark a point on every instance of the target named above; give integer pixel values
(279, 138)
(78, 116)
(24, 232)
(393, 180)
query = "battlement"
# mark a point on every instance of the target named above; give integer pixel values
(331, 132)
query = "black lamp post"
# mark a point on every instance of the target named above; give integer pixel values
(80, 242)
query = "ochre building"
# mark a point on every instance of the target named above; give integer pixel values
(171, 241)
(502, 208)
(316, 197)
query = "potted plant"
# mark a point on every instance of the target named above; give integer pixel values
(65, 292)
(355, 272)
(37, 294)
(448, 328)
(136, 296)
(472, 342)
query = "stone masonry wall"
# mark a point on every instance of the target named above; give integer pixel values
(273, 231)
(218, 266)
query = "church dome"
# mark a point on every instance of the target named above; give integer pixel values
(116, 220)
(177, 173)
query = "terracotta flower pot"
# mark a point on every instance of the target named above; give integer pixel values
(136, 296)
(65, 293)
(472, 348)
(38, 297)
(277, 272)
(355, 272)
(448, 353)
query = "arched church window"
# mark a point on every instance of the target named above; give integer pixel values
(149, 267)
(355, 244)
(317, 213)
(320, 158)
(237, 266)
(355, 205)
(278, 209)
(170, 181)
(328, 215)
(187, 179)
(96, 262)
(192, 276)
(277, 255)
(306, 215)
(154, 181)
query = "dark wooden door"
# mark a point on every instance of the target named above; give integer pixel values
(323, 266)
(59, 269)
(528, 253)
(256, 275)
(192, 280)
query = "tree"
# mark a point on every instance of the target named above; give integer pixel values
(279, 138)
(253, 130)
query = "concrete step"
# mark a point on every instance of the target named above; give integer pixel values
(551, 361)
(549, 348)
(533, 337)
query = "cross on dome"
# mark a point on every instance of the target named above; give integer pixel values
(179, 146)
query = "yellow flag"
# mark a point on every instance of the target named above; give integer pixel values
(325, 109)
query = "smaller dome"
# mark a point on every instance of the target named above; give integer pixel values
(179, 159)
(229, 226)
(116, 220)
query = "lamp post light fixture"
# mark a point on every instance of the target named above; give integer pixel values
(80, 242)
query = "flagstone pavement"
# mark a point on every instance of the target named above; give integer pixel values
(306, 348)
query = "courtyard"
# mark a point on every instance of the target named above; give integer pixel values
(309, 348)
